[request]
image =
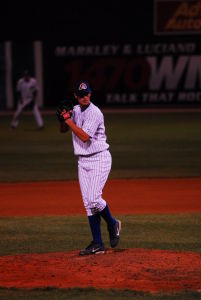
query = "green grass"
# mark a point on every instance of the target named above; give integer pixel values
(88, 294)
(56, 234)
(143, 145)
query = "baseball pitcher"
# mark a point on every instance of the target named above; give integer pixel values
(86, 122)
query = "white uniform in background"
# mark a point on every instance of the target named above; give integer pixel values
(27, 89)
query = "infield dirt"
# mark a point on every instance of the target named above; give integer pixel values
(133, 269)
(130, 196)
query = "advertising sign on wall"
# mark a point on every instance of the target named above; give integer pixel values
(132, 73)
(177, 17)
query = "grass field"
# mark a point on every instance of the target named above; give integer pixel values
(85, 294)
(143, 145)
(53, 234)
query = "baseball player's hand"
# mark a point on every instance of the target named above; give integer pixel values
(66, 114)
(64, 110)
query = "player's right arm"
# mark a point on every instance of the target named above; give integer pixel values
(79, 132)
(66, 122)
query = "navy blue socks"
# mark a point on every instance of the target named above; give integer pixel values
(95, 225)
(105, 213)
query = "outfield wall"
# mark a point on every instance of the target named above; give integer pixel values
(159, 67)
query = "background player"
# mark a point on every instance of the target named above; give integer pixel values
(94, 164)
(27, 89)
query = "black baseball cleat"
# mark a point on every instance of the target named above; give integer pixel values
(93, 248)
(114, 233)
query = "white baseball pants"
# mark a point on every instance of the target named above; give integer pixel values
(20, 108)
(93, 172)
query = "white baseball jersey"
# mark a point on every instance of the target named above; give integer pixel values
(27, 88)
(91, 120)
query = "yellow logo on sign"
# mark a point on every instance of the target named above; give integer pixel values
(186, 17)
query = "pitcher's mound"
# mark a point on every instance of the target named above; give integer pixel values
(134, 269)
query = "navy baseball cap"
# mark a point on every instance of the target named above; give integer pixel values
(82, 88)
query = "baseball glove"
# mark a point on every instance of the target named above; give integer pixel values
(64, 110)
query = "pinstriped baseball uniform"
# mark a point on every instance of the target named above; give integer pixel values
(94, 164)
(94, 158)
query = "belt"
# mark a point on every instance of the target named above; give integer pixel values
(92, 154)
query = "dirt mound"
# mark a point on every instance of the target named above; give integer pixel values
(134, 269)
